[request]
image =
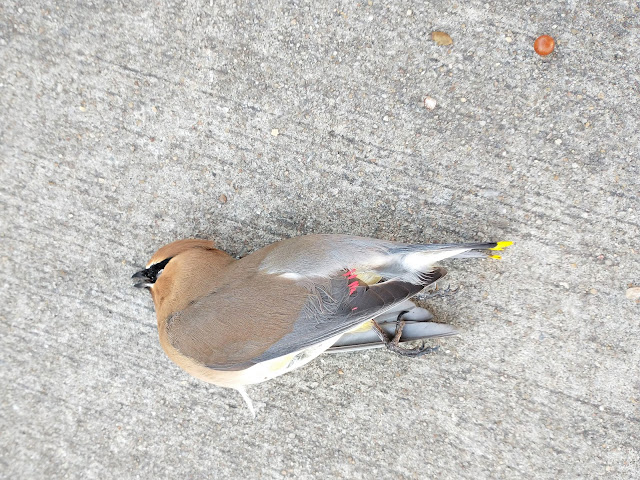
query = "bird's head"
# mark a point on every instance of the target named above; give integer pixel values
(181, 271)
(159, 260)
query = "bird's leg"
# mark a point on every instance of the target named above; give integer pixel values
(381, 333)
(399, 327)
(394, 344)
(243, 391)
(443, 292)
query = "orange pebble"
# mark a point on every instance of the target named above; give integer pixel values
(544, 45)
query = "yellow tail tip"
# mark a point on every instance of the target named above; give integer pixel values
(497, 257)
(501, 246)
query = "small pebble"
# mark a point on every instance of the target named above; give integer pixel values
(441, 38)
(222, 198)
(633, 293)
(275, 132)
(430, 103)
(593, 291)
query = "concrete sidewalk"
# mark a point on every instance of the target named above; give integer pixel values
(124, 127)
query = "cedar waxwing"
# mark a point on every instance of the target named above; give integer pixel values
(239, 322)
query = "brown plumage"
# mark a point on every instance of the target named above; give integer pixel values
(237, 322)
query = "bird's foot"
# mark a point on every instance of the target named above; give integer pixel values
(394, 343)
(412, 352)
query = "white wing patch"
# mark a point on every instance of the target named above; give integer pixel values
(421, 261)
(292, 276)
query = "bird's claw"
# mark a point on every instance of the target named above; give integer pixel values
(412, 352)
(394, 344)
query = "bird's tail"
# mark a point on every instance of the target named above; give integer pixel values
(407, 262)
(441, 251)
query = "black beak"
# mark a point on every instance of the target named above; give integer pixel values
(150, 275)
(144, 276)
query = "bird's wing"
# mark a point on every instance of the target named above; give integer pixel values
(340, 304)
(313, 256)
(264, 316)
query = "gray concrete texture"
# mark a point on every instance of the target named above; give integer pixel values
(127, 125)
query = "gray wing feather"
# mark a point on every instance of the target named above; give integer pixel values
(332, 310)
(325, 255)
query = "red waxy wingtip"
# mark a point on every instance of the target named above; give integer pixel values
(351, 274)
